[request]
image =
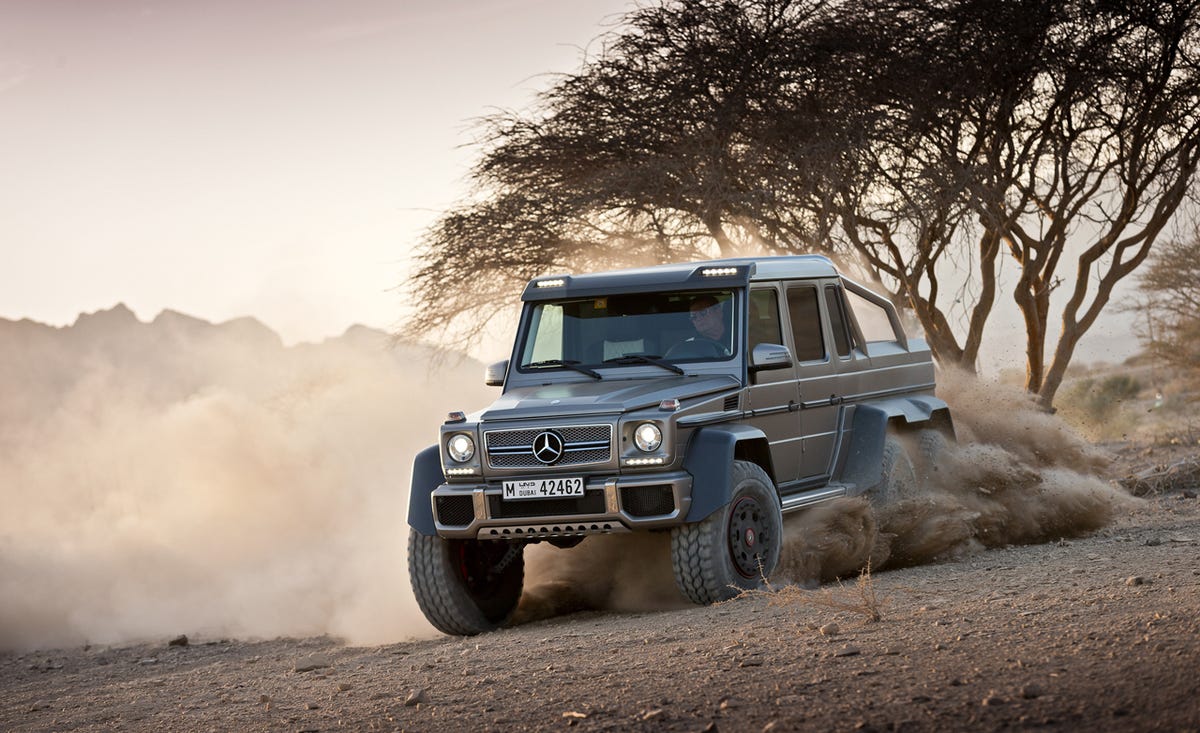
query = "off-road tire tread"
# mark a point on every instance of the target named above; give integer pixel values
(893, 451)
(698, 549)
(932, 445)
(438, 590)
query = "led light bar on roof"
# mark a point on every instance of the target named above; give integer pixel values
(555, 283)
(718, 271)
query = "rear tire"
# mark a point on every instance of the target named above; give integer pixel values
(899, 476)
(465, 587)
(735, 548)
(932, 446)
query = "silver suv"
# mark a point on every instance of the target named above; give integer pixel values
(701, 399)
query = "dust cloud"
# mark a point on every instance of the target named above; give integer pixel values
(182, 477)
(616, 572)
(1018, 476)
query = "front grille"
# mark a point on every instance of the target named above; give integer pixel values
(582, 444)
(455, 511)
(648, 501)
(591, 502)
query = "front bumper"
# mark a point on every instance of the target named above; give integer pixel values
(610, 504)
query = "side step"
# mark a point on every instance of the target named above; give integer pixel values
(806, 499)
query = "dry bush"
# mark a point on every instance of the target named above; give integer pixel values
(1102, 408)
(861, 599)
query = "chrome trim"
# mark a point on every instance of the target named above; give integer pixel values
(808, 498)
(524, 450)
(613, 518)
(612, 502)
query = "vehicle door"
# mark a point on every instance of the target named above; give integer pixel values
(817, 381)
(772, 393)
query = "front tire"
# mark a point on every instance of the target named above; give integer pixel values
(735, 548)
(465, 587)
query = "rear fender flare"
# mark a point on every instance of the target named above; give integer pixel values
(863, 466)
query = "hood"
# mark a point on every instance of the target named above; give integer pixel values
(601, 397)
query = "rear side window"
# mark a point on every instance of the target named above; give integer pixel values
(872, 319)
(837, 320)
(806, 323)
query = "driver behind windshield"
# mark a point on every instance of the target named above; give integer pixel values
(708, 319)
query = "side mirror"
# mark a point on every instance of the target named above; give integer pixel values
(493, 376)
(770, 356)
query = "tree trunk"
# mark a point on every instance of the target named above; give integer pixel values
(989, 249)
(717, 228)
(1035, 335)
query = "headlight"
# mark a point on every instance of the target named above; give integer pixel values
(647, 437)
(461, 448)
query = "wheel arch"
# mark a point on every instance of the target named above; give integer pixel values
(711, 452)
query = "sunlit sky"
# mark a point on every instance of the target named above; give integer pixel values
(275, 158)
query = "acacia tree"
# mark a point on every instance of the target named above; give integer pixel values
(951, 82)
(1170, 301)
(663, 147)
(923, 137)
(1115, 157)
(1062, 133)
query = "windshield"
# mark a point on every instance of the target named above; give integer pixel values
(678, 327)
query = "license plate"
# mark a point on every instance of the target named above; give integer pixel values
(543, 488)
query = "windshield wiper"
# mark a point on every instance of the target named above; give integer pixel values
(654, 359)
(568, 363)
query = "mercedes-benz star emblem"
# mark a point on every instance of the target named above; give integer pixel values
(548, 447)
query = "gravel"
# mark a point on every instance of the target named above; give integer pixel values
(1102, 632)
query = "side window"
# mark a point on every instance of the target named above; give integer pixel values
(872, 319)
(837, 320)
(764, 318)
(806, 323)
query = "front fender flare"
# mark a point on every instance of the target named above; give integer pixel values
(710, 456)
(426, 476)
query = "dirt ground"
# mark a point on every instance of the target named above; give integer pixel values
(1100, 632)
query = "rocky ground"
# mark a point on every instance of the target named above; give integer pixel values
(1101, 632)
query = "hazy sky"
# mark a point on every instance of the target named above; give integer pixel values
(275, 158)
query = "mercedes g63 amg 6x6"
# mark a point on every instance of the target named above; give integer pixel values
(702, 399)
